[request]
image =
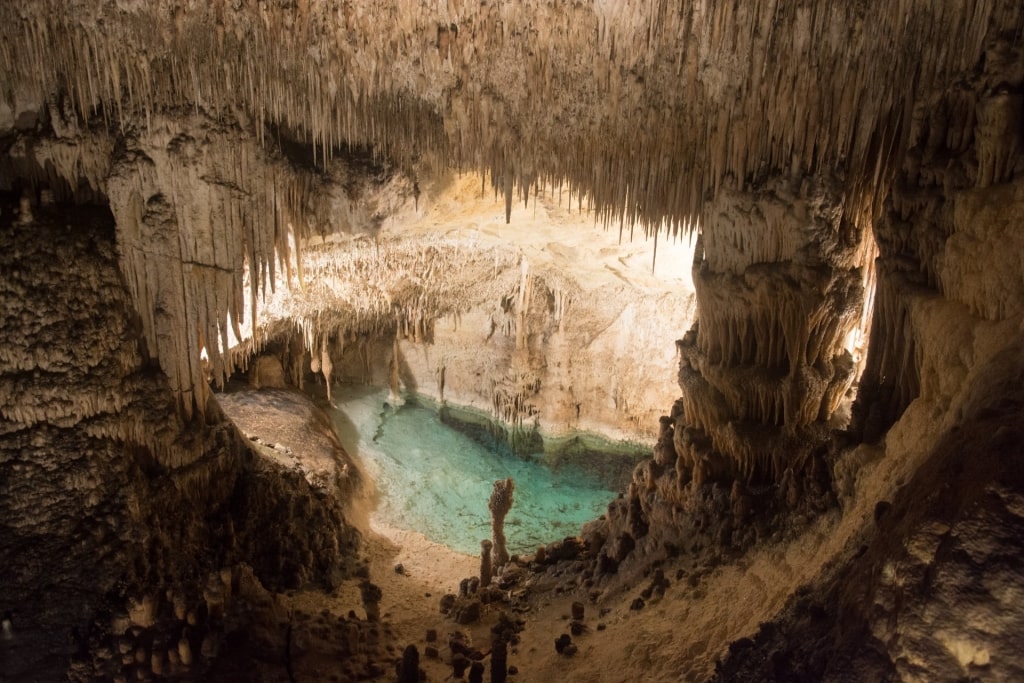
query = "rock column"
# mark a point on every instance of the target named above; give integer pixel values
(499, 505)
(780, 275)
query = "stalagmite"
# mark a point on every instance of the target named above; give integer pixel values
(499, 505)
(409, 667)
(394, 368)
(371, 596)
(499, 658)
(485, 563)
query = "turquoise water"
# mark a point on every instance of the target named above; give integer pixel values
(437, 481)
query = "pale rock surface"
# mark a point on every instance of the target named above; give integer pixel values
(449, 281)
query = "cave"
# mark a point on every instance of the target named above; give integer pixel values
(777, 246)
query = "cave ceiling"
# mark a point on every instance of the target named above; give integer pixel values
(648, 106)
(185, 117)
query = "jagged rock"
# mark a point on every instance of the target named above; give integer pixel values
(492, 595)
(564, 550)
(511, 575)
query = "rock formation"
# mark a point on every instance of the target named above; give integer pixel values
(853, 172)
(485, 563)
(111, 501)
(409, 668)
(499, 659)
(499, 505)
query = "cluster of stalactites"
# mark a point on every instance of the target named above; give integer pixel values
(191, 223)
(776, 318)
(369, 289)
(648, 107)
(366, 290)
(206, 221)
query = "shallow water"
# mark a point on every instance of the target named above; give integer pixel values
(437, 481)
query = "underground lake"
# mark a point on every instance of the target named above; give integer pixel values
(434, 471)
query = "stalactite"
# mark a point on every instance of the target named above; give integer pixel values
(393, 373)
(326, 366)
(523, 305)
(325, 83)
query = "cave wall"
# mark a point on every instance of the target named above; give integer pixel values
(926, 588)
(950, 249)
(596, 371)
(949, 228)
(119, 520)
(591, 366)
(477, 324)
